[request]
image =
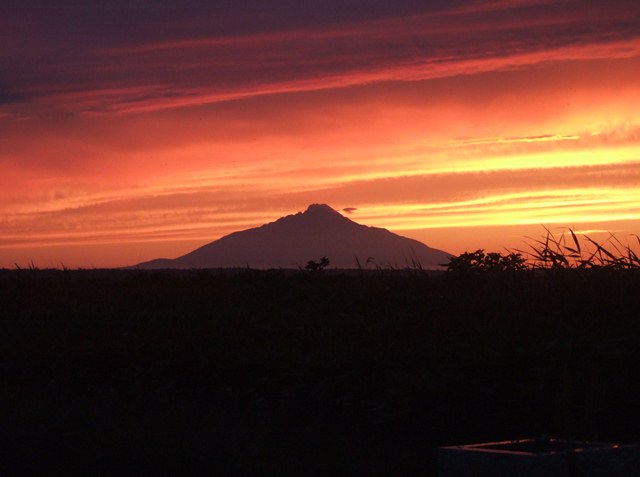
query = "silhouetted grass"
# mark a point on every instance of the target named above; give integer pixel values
(552, 252)
(571, 250)
(279, 373)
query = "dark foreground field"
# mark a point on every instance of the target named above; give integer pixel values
(272, 373)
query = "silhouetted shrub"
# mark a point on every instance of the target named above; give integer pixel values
(317, 267)
(479, 261)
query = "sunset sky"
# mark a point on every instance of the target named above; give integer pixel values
(137, 130)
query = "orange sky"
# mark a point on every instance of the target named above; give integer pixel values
(464, 125)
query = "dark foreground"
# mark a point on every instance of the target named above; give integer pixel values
(268, 373)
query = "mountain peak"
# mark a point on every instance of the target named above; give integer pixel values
(320, 209)
(320, 215)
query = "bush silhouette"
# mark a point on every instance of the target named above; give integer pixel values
(317, 267)
(491, 262)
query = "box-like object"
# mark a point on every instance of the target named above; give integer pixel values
(539, 458)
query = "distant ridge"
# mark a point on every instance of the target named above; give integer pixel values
(292, 241)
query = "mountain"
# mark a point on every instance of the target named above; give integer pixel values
(292, 241)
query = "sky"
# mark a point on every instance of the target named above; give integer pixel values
(136, 130)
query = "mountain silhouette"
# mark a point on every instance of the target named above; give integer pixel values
(292, 241)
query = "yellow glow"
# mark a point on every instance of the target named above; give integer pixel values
(541, 207)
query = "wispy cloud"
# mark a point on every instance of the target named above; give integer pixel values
(465, 40)
(566, 195)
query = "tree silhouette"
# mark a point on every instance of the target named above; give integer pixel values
(317, 267)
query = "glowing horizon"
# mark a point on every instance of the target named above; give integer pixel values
(481, 119)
